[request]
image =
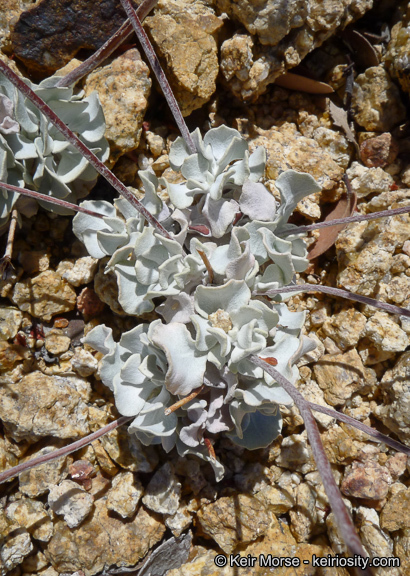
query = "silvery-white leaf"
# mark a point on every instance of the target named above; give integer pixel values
(222, 140)
(85, 227)
(257, 202)
(220, 215)
(293, 187)
(8, 124)
(257, 162)
(178, 308)
(229, 297)
(130, 399)
(180, 351)
(260, 431)
(100, 338)
(178, 153)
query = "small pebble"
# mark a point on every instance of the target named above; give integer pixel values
(71, 501)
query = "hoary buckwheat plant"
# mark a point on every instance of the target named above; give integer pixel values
(202, 285)
(221, 355)
(34, 154)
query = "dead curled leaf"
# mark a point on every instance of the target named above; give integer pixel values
(364, 54)
(293, 81)
(327, 236)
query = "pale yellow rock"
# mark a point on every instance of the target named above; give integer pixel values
(34, 261)
(365, 252)
(38, 480)
(296, 454)
(34, 563)
(377, 101)
(44, 296)
(234, 520)
(303, 516)
(57, 343)
(71, 501)
(395, 410)
(398, 49)
(339, 376)
(82, 272)
(341, 448)
(281, 33)
(182, 32)
(345, 328)
(103, 540)
(126, 451)
(163, 493)
(395, 515)
(402, 549)
(385, 333)
(104, 461)
(180, 521)
(276, 499)
(124, 495)
(32, 515)
(287, 148)
(39, 406)
(366, 181)
(123, 87)
(15, 549)
(106, 288)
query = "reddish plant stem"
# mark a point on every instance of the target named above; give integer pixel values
(338, 292)
(342, 517)
(50, 199)
(360, 426)
(347, 220)
(183, 401)
(81, 147)
(159, 73)
(106, 49)
(63, 451)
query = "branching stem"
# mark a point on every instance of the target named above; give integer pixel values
(159, 73)
(338, 292)
(63, 451)
(343, 520)
(360, 426)
(81, 147)
(50, 199)
(347, 220)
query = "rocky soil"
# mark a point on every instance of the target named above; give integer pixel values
(111, 504)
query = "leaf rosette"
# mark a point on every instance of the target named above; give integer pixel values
(34, 154)
(196, 361)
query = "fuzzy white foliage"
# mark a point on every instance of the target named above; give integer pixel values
(35, 155)
(212, 322)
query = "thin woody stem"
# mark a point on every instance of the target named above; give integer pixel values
(347, 220)
(50, 199)
(159, 73)
(343, 520)
(5, 261)
(106, 49)
(34, 462)
(10, 236)
(338, 292)
(183, 401)
(360, 426)
(81, 147)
